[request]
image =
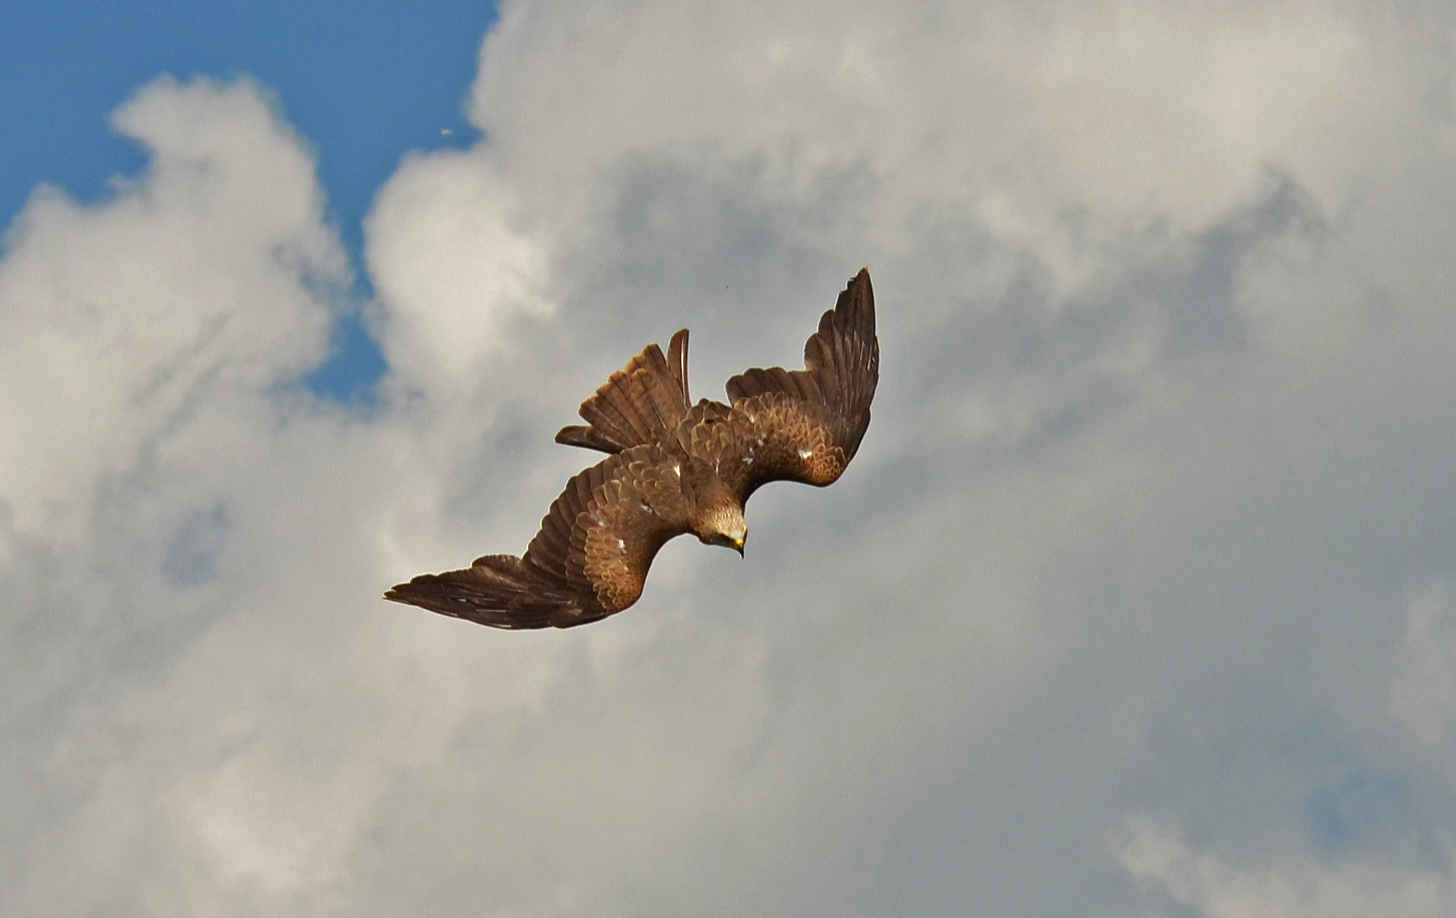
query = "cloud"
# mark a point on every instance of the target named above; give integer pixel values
(1160, 458)
(452, 261)
(118, 317)
(1209, 886)
(1423, 688)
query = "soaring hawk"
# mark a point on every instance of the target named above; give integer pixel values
(673, 468)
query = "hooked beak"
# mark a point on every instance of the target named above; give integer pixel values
(739, 543)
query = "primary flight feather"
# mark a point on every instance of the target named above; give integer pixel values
(673, 468)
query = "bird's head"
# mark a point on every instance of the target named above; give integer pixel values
(723, 525)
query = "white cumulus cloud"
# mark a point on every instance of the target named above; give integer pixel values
(1154, 515)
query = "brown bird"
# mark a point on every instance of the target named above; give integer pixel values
(674, 468)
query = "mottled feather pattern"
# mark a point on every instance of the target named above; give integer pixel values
(815, 417)
(841, 360)
(674, 468)
(628, 519)
(602, 533)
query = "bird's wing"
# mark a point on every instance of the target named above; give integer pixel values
(589, 560)
(803, 425)
(638, 404)
(501, 591)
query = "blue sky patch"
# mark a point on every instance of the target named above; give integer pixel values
(1365, 810)
(363, 82)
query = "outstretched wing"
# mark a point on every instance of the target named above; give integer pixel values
(589, 560)
(500, 591)
(638, 404)
(804, 425)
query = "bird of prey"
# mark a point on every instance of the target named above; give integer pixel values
(672, 468)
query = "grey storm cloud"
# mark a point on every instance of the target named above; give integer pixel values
(1136, 599)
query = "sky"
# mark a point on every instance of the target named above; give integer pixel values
(1137, 599)
(363, 82)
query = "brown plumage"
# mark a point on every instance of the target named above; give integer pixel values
(674, 468)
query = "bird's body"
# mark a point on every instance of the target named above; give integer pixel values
(673, 468)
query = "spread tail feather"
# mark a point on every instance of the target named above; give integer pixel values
(638, 404)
